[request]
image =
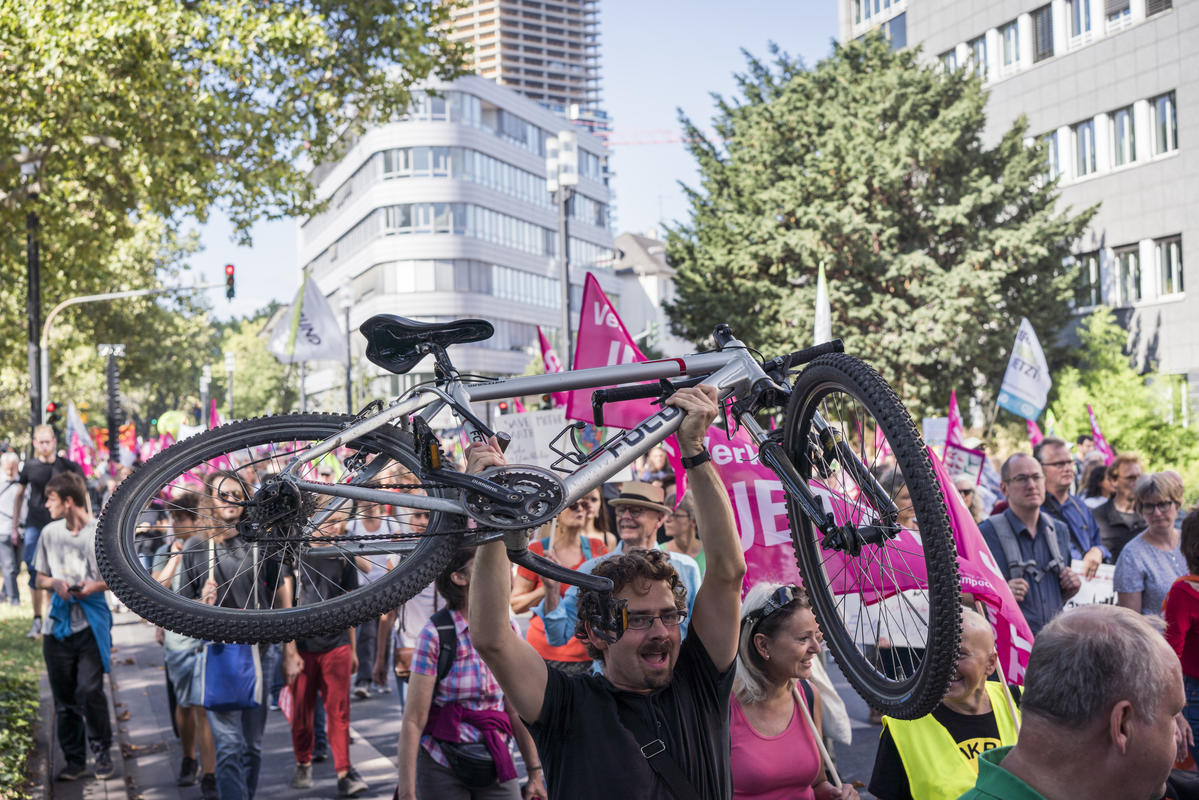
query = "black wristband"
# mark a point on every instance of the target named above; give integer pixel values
(690, 462)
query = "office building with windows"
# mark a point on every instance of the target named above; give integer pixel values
(547, 50)
(445, 214)
(1112, 86)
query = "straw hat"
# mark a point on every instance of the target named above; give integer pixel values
(642, 495)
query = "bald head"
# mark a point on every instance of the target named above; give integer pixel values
(979, 631)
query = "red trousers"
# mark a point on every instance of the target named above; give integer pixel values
(328, 672)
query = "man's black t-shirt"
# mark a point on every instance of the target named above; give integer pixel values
(974, 734)
(587, 753)
(36, 474)
(234, 572)
(320, 578)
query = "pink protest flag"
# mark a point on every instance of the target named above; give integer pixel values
(955, 433)
(550, 360)
(519, 406)
(78, 453)
(980, 576)
(1034, 433)
(214, 419)
(882, 450)
(1100, 443)
(604, 341)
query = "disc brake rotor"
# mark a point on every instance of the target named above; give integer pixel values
(543, 492)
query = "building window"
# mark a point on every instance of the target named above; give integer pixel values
(1052, 155)
(949, 60)
(1042, 33)
(1078, 12)
(1164, 119)
(1157, 6)
(897, 31)
(1087, 289)
(1169, 264)
(1010, 36)
(1128, 275)
(1084, 148)
(1117, 13)
(1124, 147)
(978, 56)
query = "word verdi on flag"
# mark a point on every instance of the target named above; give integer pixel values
(309, 332)
(603, 341)
(1026, 382)
(1101, 444)
(550, 360)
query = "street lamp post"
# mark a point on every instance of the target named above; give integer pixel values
(205, 380)
(347, 303)
(562, 176)
(229, 384)
(30, 166)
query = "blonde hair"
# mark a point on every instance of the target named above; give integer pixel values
(751, 683)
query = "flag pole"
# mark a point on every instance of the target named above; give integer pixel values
(1007, 691)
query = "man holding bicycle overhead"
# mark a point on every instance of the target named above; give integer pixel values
(655, 724)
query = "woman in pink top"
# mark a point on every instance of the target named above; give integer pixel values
(774, 750)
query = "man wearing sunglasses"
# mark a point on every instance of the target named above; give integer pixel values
(655, 724)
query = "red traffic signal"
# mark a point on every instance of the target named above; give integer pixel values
(229, 279)
(503, 406)
(229, 269)
(50, 407)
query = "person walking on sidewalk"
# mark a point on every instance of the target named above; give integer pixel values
(181, 655)
(78, 639)
(236, 734)
(10, 527)
(325, 663)
(35, 475)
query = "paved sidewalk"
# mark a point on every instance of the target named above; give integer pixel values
(149, 754)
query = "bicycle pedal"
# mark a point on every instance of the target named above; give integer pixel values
(428, 446)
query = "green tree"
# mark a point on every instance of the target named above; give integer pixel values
(873, 164)
(132, 109)
(1140, 413)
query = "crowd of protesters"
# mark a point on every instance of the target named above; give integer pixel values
(732, 686)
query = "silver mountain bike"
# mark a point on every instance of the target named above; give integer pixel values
(377, 487)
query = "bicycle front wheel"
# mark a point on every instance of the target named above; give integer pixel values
(170, 502)
(882, 578)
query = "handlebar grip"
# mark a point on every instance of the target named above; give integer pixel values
(814, 352)
(640, 391)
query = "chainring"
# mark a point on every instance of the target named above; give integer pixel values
(543, 491)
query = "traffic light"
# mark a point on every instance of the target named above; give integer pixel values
(503, 406)
(229, 269)
(53, 413)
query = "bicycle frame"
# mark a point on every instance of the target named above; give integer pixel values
(731, 370)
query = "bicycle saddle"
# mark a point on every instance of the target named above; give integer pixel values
(393, 341)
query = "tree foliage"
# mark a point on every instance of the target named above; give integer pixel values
(872, 163)
(261, 384)
(134, 112)
(1139, 413)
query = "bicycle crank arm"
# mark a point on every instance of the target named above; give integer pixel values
(518, 553)
(473, 483)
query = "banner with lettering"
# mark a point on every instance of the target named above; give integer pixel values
(964, 461)
(309, 330)
(1026, 382)
(603, 341)
(552, 364)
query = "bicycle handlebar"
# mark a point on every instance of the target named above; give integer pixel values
(815, 351)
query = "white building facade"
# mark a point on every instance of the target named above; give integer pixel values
(445, 214)
(1113, 86)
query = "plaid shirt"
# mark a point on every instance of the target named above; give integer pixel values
(469, 682)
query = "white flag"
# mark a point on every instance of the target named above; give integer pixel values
(309, 332)
(1026, 383)
(824, 315)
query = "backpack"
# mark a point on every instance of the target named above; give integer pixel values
(1018, 567)
(447, 636)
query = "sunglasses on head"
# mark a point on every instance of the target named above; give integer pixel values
(780, 599)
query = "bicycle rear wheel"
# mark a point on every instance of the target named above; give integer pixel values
(398, 549)
(883, 579)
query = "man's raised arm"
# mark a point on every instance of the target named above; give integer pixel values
(516, 665)
(717, 613)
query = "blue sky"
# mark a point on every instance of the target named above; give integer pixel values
(657, 56)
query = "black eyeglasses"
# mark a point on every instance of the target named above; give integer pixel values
(643, 622)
